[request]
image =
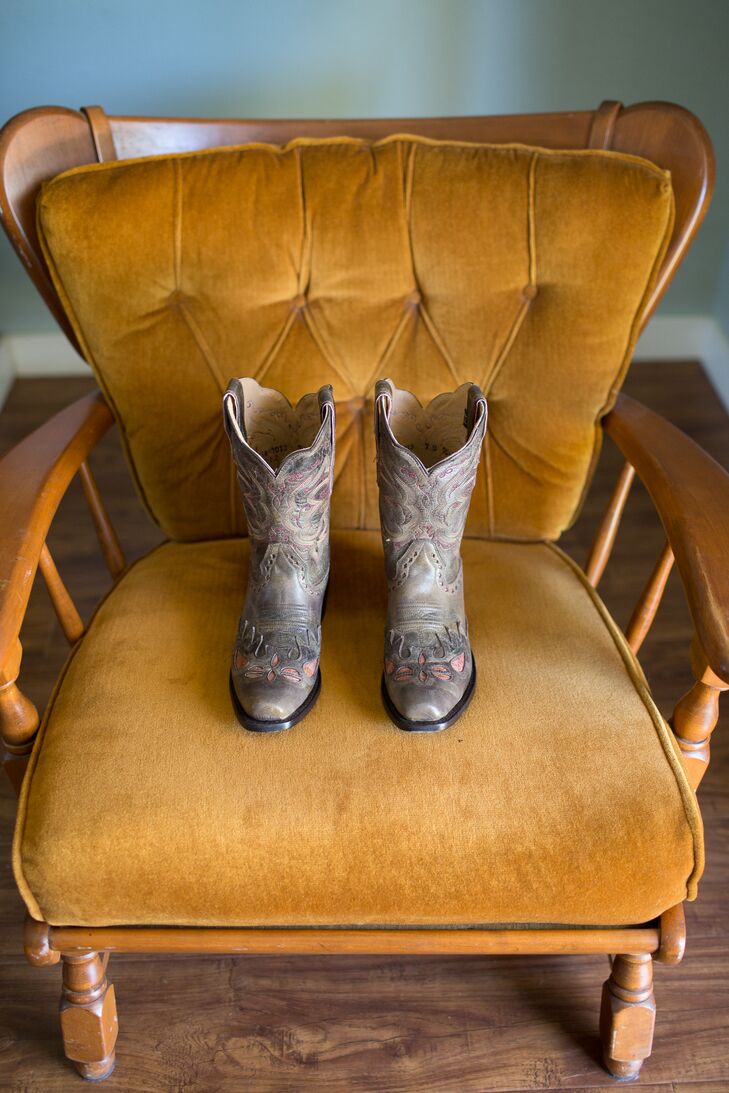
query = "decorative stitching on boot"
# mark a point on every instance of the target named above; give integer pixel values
(420, 661)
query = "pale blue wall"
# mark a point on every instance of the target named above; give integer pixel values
(721, 304)
(371, 57)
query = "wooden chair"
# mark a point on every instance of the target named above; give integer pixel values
(689, 490)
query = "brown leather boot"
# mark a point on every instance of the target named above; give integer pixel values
(284, 457)
(427, 458)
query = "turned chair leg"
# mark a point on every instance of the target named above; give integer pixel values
(628, 1015)
(88, 1015)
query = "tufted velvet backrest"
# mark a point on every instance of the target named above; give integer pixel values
(338, 261)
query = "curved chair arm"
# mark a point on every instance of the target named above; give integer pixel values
(34, 476)
(691, 494)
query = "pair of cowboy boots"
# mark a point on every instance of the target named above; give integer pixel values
(427, 458)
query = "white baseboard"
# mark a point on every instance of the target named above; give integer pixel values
(670, 337)
(679, 337)
(44, 355)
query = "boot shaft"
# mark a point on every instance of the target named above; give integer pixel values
(284, 458)
(427, 461)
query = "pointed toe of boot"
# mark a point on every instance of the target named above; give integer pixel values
(271, 707)
(427, 709)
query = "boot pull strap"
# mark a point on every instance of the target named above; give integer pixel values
(231, 412)
(326, 398)
(383, 395)
(383, 405)
(475, 399)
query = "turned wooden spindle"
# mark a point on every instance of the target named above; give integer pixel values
(608, 529)
(108, 540)
(69, 618)
(628, 1015)
(88, 1015)
(695, 717)
(18, 720)
(645, 612)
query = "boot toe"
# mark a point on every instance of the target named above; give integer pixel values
(436, 706)
(275, 704)
(433, 704)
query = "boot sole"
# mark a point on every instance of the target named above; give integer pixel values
(253, 724)
(429, 726)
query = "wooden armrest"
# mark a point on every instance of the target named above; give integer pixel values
(691, 494)
(34, 476)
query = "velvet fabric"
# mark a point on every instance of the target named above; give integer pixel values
(558, 797)
(337, 261)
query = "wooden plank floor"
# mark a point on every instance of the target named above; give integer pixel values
(390, 1025)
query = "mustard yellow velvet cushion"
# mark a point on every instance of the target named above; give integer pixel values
(557, 798)
(338, 261)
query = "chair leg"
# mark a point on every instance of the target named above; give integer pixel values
(627, 1016)
(88, 1015)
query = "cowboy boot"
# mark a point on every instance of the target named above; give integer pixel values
(284, 458)
(427, 458)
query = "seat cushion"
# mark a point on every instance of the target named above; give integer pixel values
(557, 798)
(436, 263)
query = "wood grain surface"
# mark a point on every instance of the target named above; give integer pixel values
(381, 1024)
